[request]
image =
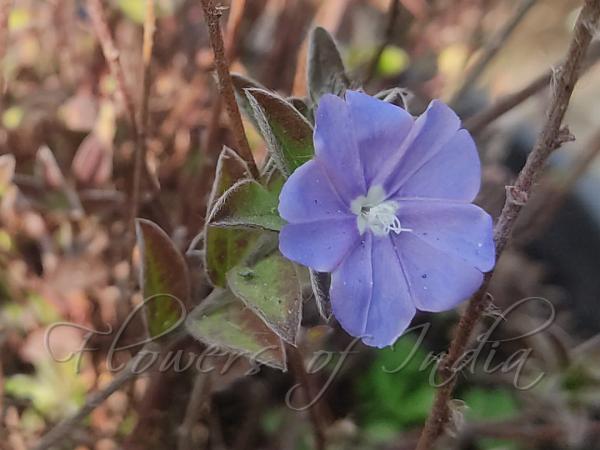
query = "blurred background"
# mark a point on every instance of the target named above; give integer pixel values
(65, 239)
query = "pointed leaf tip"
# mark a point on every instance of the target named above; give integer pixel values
(271, 288)
(288, 134)
(326, 72)
(163, 278)
(224, 321)
(247, 204)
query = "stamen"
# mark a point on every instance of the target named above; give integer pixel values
(376, 213)
(382, 218)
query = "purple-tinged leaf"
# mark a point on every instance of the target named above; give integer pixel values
(164, 278)
(289, 136)
(326, 72)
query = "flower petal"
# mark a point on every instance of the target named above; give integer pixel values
(391, 308)
(308, 195)
(462, 230)
(431, 131)
(453, 173)
(336, 147)
(369, 294)
(380, 129)
(438, 281)
(320, 245)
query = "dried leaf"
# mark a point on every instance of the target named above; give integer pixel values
(79, 113)
(7, 171)
(47, 168)
(92, 164)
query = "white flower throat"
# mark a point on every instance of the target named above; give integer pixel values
(377, 214)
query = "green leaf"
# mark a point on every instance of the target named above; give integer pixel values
(271, 288)
(396, 378)
(490, 404)
(247, 204)
(230, 169)
(326, 72)
(496, 404)
(289, 136)
(224, 321)
(224, 248)
(164, 278)
(54, 389)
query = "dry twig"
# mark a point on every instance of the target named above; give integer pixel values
(141, 137)
(481, 120)
(490, 50)
(304, 380)
(213, 15)
(550, 138)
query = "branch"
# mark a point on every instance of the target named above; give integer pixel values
(232, 29)
(198, 396)
(481, 120)
(304, 380)
(549, 139)
(212, 15)
(491, 49)
(112, 56)
(140, 151)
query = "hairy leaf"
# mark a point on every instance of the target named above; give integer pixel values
(247, 204)
(164, 278)
(326, 72)
(224, 321)
(224, 248)
(271, 288)
(230, 169)
(319, 283)
(289, 136)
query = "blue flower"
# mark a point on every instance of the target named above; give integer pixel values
(385, 206)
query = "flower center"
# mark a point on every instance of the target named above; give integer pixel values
(376, 213)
